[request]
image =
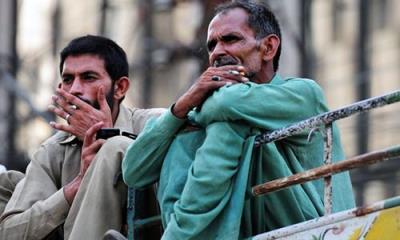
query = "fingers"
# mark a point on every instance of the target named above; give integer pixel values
(90, 134)
(59, 112)
(95, 146)
(226, 74)
(61, 127)
(101, 98)
(65, 100)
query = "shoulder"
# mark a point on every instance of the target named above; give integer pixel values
(56, 139)
(141, 116)
(305, 82)
(147, 113)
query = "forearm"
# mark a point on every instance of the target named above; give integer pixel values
(37, 221)
(71, 189)
(267, 106)
(143, 159)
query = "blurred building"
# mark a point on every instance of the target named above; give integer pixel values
(351, 47)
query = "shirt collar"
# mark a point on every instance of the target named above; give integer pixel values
(277, 79)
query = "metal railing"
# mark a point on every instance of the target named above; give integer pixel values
(323, 123)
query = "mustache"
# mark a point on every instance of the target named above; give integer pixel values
(86, 100)
(225, 60)
(96, 104)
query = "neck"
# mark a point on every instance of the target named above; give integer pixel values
(114, 113)
(265, 75)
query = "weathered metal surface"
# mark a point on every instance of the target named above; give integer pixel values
(328, 117)
(377, 221)
(327, 170)
(328, 160)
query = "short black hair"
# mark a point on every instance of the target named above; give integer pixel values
(261, 19)
(115, 60)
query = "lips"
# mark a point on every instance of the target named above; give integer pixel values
(225, 60)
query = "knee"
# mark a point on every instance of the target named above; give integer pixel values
(115, 146)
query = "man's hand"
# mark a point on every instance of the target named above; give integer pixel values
(90, 147)
(80, 115)
(212, 79)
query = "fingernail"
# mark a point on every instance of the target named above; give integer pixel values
(51, 107)
(228, 83)
(54, 97)
(52, 123)
(245, 79)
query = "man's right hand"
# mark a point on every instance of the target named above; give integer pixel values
(82, 116)
(211, 79)
(90, 147)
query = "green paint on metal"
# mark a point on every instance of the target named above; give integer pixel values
(394, 97)
(391, 202)
(144, 222)
(393, 151)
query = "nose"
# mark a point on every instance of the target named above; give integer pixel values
(76, 87)
(218, 51)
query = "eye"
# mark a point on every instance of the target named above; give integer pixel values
(89, 76)
(67, 79)
(230, 38)
(211, 45)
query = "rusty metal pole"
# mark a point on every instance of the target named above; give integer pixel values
(328, 160)
(327, 170)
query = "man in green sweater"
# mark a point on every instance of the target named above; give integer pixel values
(201, 151)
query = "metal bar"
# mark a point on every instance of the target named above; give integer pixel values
(328, 160)
(327, 170)
(328, 117)
(147, 222)
(131, 213)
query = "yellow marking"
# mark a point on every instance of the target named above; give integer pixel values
(386, 225)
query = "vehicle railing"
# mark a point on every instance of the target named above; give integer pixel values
(323, 123)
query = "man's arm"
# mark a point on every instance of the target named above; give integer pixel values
(266, 106)
(89, 149)
(37, 206)
(143, 160)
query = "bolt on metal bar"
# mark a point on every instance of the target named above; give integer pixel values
(327, 170)
(328, 160)
(328, 117)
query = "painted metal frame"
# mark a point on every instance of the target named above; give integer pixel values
(323, 122)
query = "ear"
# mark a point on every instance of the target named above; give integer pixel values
(269, 47)
(121, 86)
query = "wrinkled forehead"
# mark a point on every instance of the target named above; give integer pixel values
(231, 20)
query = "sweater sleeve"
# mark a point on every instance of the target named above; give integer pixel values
(266, 106)
(143, 160)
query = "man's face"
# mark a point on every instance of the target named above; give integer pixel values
(82, 76)
(231, 41)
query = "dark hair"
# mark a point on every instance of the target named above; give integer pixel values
(261, 19)
(115, 61)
